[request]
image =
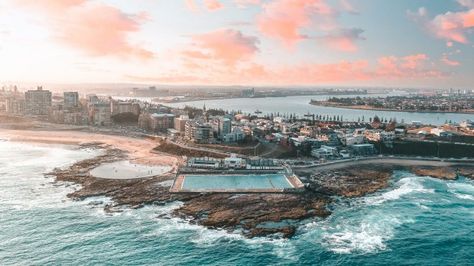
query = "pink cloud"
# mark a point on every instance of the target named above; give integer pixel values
(213, 5)
(210, 71)
(343, 71)
(96, 29)
(449, 62)
(50, 6)
(209, 5)
(286, 19)
(227, 45)
(451, 26)
(245, 3)
(468, 19)
(413, 61)
(343, 40)
(411, 66)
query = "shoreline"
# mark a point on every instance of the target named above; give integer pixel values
(390, 160)
(139, 150)
(252, 215)
(368, 108)
(258, 97)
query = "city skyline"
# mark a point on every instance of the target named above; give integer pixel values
(239, 42)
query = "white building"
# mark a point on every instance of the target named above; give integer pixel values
(206, 163)
(350, 139)
(235, 162)
(325, 152)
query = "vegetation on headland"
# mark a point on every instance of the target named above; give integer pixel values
(429, 104)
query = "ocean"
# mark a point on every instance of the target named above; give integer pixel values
(417, 220)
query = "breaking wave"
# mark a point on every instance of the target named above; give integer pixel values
(404, 186)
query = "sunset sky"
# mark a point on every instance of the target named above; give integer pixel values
(394, 43)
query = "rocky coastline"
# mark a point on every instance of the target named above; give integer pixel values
(251, 214)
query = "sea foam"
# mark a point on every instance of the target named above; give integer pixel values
(405, 186)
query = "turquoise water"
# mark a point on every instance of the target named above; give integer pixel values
(418, 220)
(270, 181)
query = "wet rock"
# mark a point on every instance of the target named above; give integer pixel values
(466, 171)
(446, 173)
(257, 214)
(285, 232)
(352, 182)
(251, 211)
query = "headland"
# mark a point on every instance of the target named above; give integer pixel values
(252, 214)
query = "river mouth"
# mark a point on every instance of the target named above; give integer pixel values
(128, 170)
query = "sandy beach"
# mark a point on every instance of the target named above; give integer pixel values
(139, 150)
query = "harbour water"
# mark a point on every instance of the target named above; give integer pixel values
(418, 220)
(300, 105)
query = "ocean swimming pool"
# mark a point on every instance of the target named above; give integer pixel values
(127, 170)
(236, 182)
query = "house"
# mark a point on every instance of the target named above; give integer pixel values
(363, 149)
(325, 152)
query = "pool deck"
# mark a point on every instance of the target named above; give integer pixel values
(295, 182)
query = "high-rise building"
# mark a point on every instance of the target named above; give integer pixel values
(120, 107)
(14, 105)
(99, 114)
(71, 100)
(180, 123)
(199, 132)
(92, 98)
(38, 102)
(161, 122)
(225, 126)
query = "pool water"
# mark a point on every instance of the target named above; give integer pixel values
(128, 170)
(269, 181)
